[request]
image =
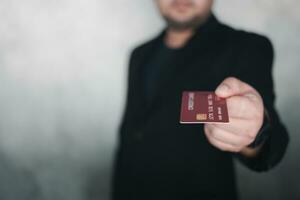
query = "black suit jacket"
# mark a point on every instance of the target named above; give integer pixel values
(159, 158)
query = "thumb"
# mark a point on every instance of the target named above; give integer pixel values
(230, 87)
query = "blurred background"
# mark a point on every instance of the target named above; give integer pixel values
(63, 83)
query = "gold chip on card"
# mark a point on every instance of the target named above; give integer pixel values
(201, 116)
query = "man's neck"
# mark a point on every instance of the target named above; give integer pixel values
(177, 39)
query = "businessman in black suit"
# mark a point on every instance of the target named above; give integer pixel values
(159, 158)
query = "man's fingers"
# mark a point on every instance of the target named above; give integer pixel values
(218, 143)
(238, 107)
(226, 137)
(245, 107)
(242, 99)
(223, 146)
(232, 86)
(243, 128)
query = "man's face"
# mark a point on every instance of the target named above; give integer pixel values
(183, 14)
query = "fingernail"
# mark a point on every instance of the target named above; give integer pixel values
(222, 89)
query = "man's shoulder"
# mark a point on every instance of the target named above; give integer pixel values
(142, 47)
(246, 38)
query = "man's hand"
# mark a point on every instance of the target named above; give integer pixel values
(246, 113)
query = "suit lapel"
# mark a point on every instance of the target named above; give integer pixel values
(143, 59)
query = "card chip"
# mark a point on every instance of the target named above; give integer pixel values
(201, 116)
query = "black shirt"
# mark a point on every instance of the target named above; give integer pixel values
(158, 67)
(158, 158)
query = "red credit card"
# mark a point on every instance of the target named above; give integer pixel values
(203, 107)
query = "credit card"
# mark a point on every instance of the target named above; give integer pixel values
(203, 107)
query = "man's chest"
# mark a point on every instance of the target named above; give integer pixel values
(195, 71)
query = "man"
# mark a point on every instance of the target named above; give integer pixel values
(159, 158)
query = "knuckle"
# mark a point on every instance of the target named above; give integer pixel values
(231, 79)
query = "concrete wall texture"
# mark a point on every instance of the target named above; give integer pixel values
(62, 88)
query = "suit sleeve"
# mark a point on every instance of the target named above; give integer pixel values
(254, 66)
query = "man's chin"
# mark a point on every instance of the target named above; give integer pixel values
(183, 25)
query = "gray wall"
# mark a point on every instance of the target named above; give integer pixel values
(62, 87)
